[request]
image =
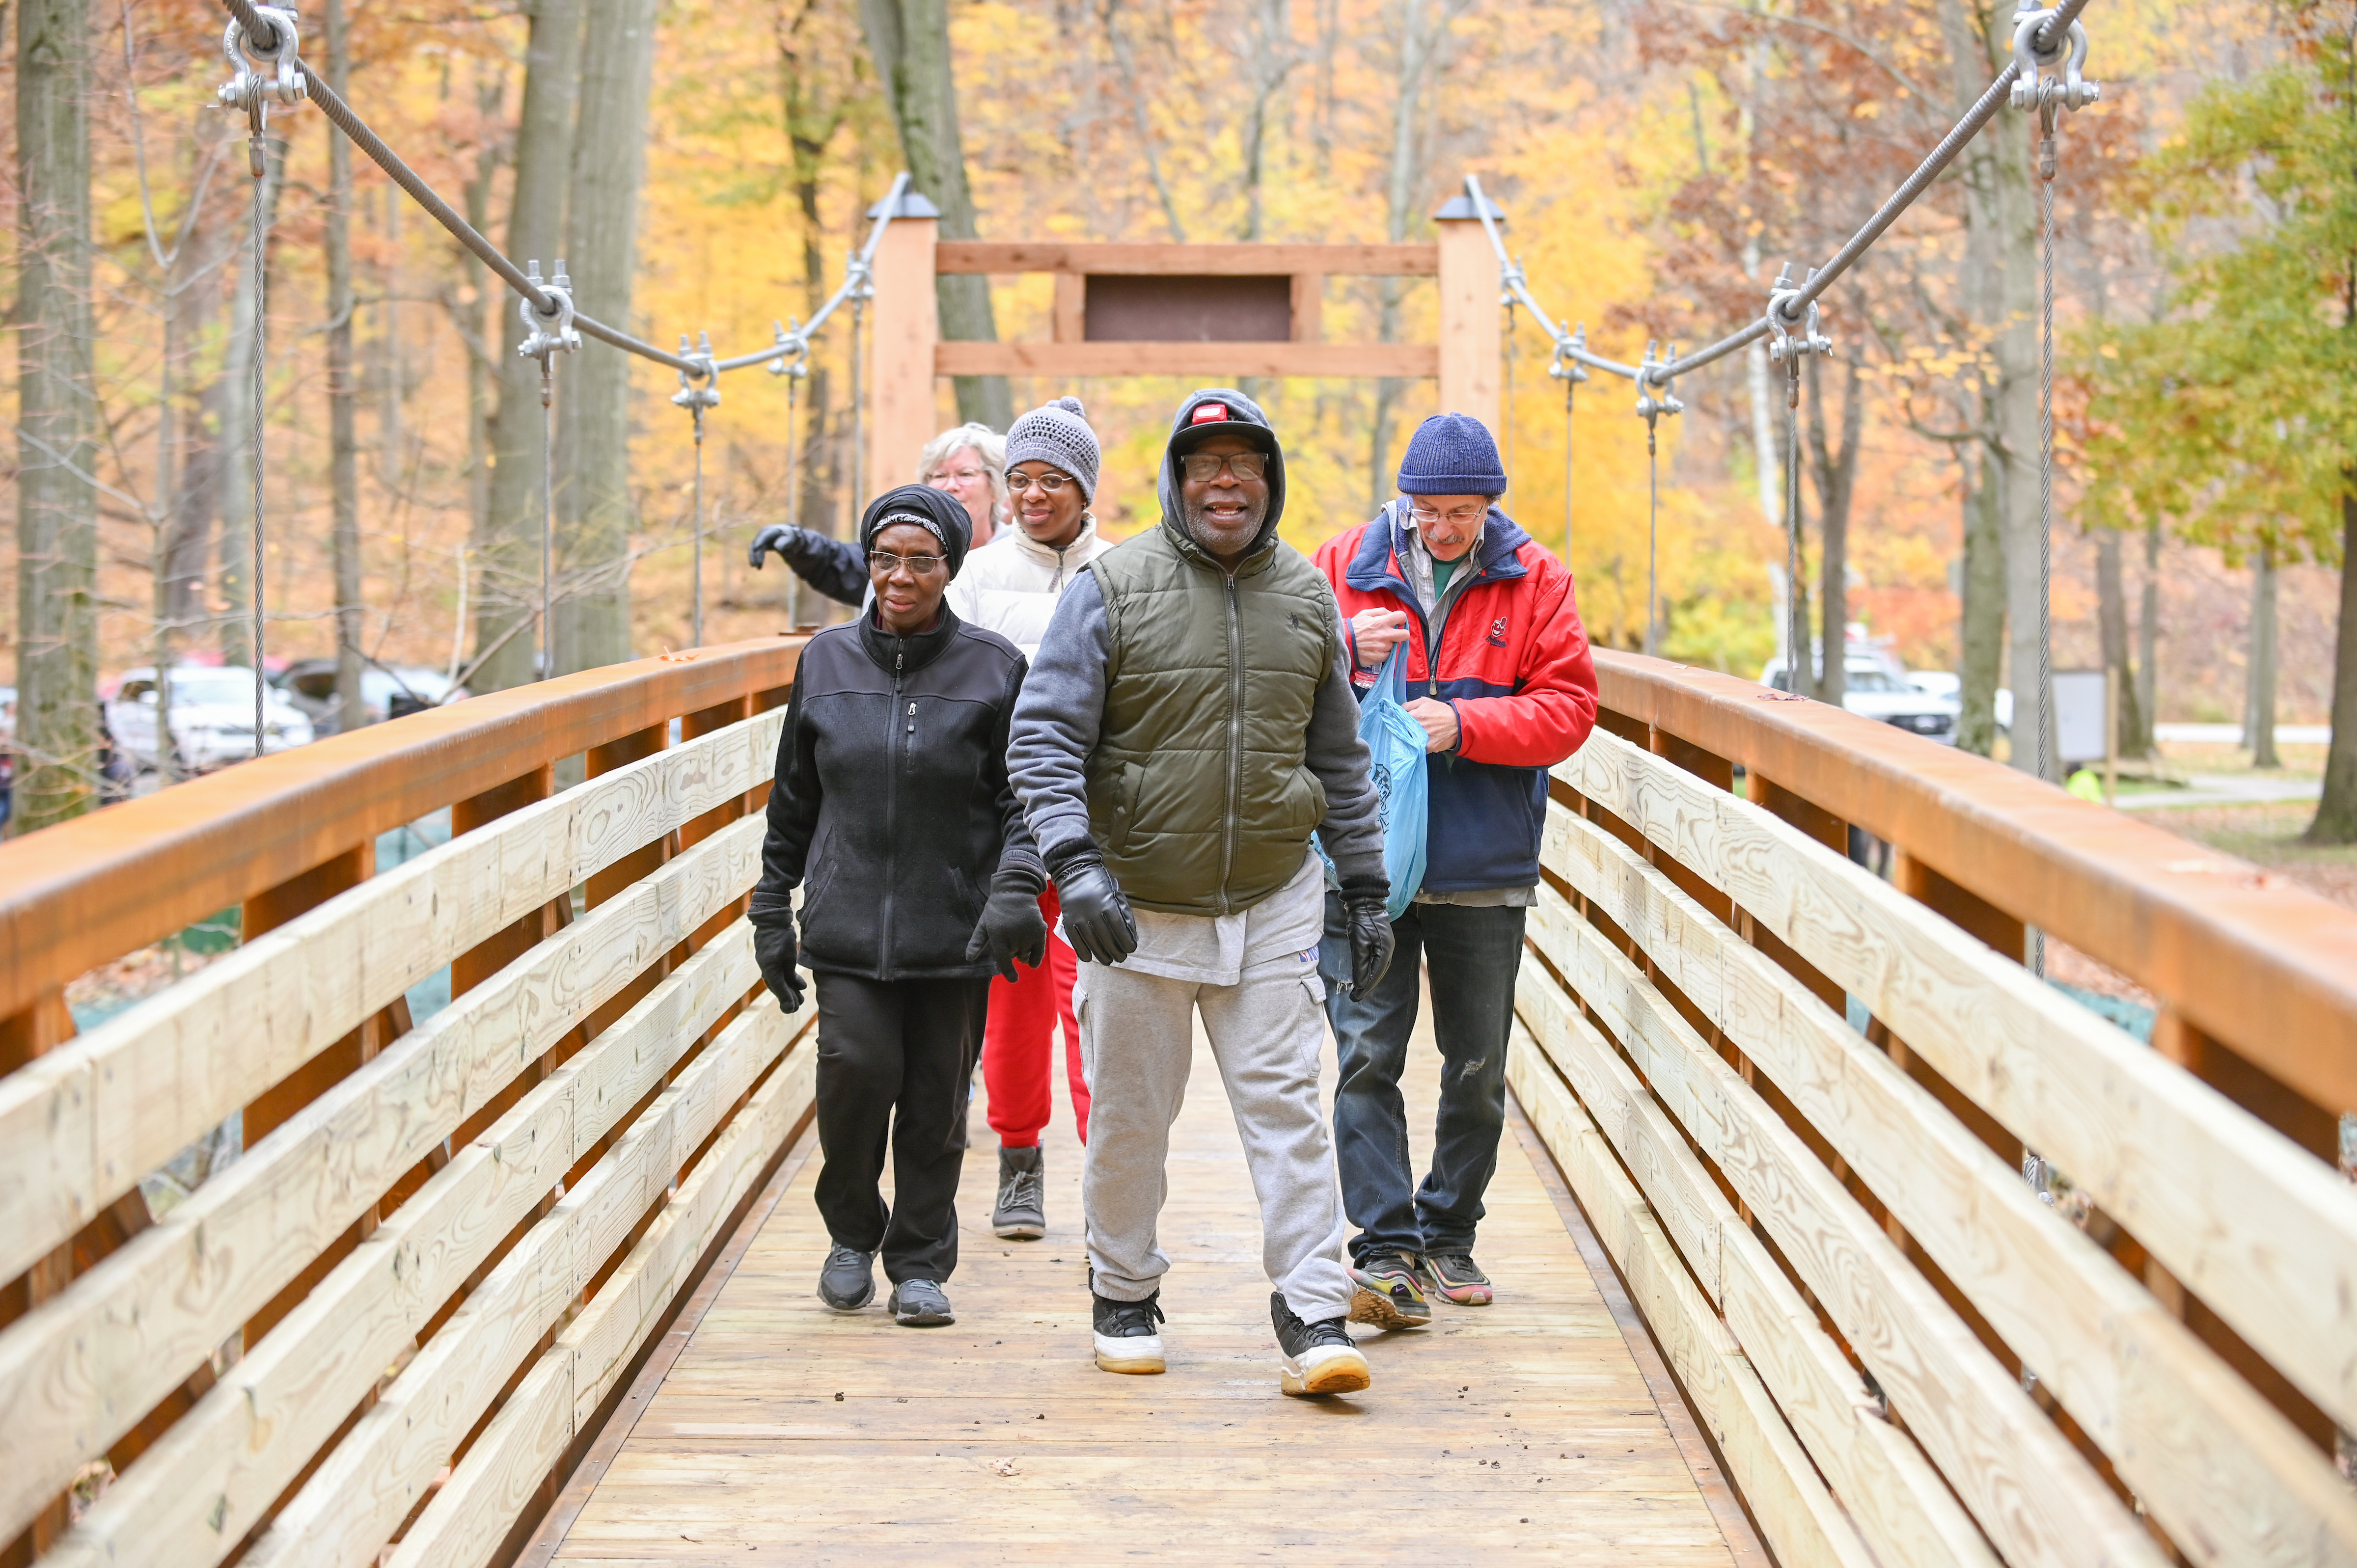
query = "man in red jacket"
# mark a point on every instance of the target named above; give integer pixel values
(1499, 675)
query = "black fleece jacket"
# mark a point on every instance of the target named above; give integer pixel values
(892, 801)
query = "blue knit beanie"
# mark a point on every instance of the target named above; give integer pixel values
(1451, 455)
(1057, 434)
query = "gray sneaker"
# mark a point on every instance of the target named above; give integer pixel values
(1021, 1214)
(920, 1304)
(847, 1280)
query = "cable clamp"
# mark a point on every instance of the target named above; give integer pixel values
(1652, 375)
(691, 397)
(2038, 82)
(259, 77)
(1565, 367)
(548, 332)
(793, 343)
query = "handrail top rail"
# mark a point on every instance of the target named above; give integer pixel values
(2245, 955)
(90, 889)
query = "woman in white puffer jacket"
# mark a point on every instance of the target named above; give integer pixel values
(1011, 586)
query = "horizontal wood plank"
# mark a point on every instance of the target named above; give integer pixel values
(377, 1475)
(1159, 260)
(2036, 1498)
(1406, 360)
(83, 1125)
(2260, 1231)
(210, 1476)
(2220, 1468)
(77, 1370)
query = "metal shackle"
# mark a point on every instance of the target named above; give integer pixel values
(550, 331)
(248, 85)
(2036, 84)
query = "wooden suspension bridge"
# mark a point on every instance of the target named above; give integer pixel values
(527, 1280)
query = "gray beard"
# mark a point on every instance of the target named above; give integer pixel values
(1198, 526)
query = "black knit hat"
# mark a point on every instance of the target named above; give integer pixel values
(938, 512)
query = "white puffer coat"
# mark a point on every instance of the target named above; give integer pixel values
(1011, 585)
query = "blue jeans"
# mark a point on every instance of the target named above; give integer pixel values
(1475, 953)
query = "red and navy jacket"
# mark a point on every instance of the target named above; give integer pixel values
(1505, 649)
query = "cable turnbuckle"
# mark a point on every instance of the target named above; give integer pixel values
(550, 331)
(260, 77)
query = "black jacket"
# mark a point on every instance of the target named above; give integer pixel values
(892, 801)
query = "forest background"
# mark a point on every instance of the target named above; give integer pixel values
(1658, 165)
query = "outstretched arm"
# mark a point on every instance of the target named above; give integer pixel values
(833, 566)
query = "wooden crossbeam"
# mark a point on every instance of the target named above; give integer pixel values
(1402, 360)
(1157, 260)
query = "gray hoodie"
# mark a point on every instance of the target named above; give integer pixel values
(1060, 713)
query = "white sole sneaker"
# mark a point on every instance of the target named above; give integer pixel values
(1139, 1355)
(1326, 1370)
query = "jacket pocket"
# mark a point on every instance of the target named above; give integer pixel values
(1126, 790)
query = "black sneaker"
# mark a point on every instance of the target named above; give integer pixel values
(847, 1280)
(1387, 1294)
(1454, 1276)
(1126, 1338)
(1317, 1357)
(920, 1304)
(1021, 1214)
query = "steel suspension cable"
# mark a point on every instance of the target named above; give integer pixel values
(547, 654)
(260, 160)
(1796, 618)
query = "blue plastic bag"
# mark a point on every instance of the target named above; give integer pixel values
(1396, 752)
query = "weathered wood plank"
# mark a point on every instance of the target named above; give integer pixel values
(76, 1373)
(80, 1126)
(475, 1509)
(2221, 1469)
(1162, 260)
(1803, 1523)
(208, 1480)
(1898, 1501)
(2026, 1486)
(2262, 1231)
(376, 1476)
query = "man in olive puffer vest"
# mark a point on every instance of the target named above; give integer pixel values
(1188, 724)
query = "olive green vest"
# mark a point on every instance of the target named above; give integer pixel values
(1197, 791)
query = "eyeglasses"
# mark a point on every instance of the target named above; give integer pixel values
(1046, 484)
(883, 564)
(1201, 468)
(1459, 516)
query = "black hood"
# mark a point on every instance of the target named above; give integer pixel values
(1243, 417)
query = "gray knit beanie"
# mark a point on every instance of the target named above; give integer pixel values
(1058, 433)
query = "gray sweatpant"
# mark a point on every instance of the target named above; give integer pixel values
(1138, 1042)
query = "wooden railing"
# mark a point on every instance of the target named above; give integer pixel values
(1905, 1353)
(445, 1245)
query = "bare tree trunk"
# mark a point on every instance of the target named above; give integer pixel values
(1833, 471)
(1401, 191)
(343, 439)
(480, 318)
(2336, 813)
(2259, 708)
(910, 40)
(1981, 637)
(1126, 63)
(507, 549)
(1269, 57)
(2149, 642)
(392, 375)
(595, 513)
(57, 503)
(2112, 616)
(192, 305)
(235, 569)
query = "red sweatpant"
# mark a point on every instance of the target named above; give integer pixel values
(1018, 1044)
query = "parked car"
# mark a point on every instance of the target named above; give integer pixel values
(387, 691)
(212, 716)
(1871, 690)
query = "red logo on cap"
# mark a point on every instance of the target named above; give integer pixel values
(1208, 413)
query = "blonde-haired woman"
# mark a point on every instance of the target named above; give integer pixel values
(968, 462)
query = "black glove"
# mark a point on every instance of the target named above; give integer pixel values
(773, 950)
(1370, 937)
(1011, 926)
(1097, 920)
(773, 537)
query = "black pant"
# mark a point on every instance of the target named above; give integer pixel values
(907, 1046)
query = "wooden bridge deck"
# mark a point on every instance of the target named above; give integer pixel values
(767, 1425)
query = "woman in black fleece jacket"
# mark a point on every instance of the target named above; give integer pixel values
(893, 810)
